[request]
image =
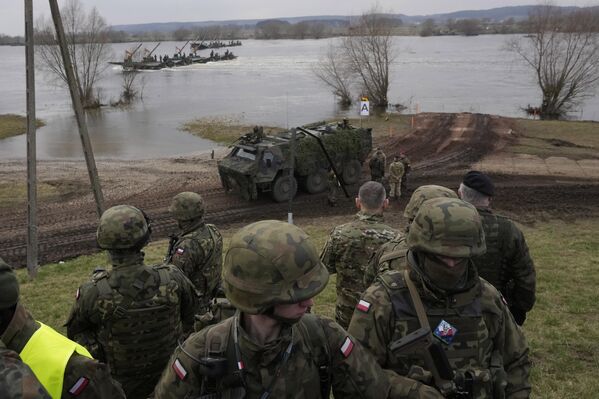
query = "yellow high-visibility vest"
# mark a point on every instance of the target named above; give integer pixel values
(47, 353)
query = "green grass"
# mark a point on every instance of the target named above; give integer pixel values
(14, 125)
(562, 329)
(579, 140)
(220, 129)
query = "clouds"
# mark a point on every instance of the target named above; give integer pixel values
(144, 11)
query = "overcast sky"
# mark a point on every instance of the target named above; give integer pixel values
(118, 12)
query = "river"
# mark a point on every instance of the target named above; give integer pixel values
(270, 83)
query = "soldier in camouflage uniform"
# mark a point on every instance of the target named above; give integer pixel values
(64, 368)
(396, 172)
(272, 348)
(403, 158)
(17, 381)
(350, 245)
(377, 164)
(507, 263)
(132, 315)
(197, 251)
(333, 185)
(463, 317)
(392, 255)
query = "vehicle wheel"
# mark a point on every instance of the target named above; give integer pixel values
(317, 182)
(352, 171)
(284, 188)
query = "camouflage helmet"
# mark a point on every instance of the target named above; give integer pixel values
(123, 227)
(270, 263)
(424, 193)
(447, 227)
(187, 206)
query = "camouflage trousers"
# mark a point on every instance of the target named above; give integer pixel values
(395, 191)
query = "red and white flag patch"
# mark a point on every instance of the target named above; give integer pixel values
(179, 369)
(79, 386)
(363, 306)
(180, 251)
(347, 347)
(240, 365)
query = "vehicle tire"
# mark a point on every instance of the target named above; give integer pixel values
(317, 182)
(284, 188)
(352, 171)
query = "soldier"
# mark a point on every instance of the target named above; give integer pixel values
(438, 320)
(507, 263)
(333, 189)
(350, 245)
(273, 348)
(406, 169)
(396, 172)
(197, 251)
(132, 315)
(392, 255)
(64, 368)
(377, 164)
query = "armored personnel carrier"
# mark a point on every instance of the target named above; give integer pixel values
(262, 163)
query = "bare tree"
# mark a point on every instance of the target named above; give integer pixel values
(563, 51)
(369, 51)
(335, 71)
(88, 40)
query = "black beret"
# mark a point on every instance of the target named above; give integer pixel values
(480, 182)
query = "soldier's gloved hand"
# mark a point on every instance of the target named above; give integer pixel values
(419, 374)
(519, 315)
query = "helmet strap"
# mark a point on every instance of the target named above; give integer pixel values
(270, 312)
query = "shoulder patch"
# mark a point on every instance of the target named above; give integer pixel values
(179, 369)
(79, 386)
(347, 347)
(363, 306)
(180, 251)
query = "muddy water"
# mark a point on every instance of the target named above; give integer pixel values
(270, 83)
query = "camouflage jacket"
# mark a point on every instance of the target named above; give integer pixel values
(346, 252)
(154, 304)
(96, 374)
(198, 253)
(396, 171)
(315, 358)
(17, 381)
(507, 263)
(390, 256)
(488, 343)
(377, 165)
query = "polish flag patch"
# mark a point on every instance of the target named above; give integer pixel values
(79, 386)
(179, 369)
(240, 365)
(347, 347)
(180, 251)
(363, 306)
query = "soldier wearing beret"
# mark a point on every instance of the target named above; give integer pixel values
(507, 263)
(64, 368)
(274, 348)
(439, 322)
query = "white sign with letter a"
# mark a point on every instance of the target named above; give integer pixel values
(364, 107)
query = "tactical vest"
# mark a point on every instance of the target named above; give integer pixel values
(471, 348)
(139, 335)
(47, 354)
(491, 265)
(315, 347)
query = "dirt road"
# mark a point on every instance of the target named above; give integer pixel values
(442, 148)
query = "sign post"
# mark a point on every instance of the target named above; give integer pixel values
(364, 108)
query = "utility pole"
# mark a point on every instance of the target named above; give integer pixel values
(291, 173)
(78, 108)
(31, 144)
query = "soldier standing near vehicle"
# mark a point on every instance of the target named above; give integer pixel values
(132, 315)
(350, 245)
(507, 263)
(392, 255)
(273, 348)
(64, 368)
(396, 172)
(454, 312)
(406, 169)
(198, 249)
(333, 188)
(377, 164)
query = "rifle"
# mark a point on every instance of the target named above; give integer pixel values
(172, 240)
(454, 385)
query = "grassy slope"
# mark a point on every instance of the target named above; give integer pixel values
(563, 328)
(13, 125)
